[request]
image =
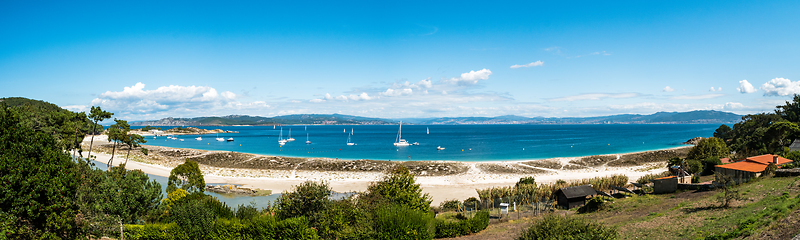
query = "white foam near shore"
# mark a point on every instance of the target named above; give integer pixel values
(441, 188)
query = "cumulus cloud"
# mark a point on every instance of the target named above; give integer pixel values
(667, 89)
(137, 100)
(471, 77)
(780, 87)
(533, 64)
(745, 87)
(397, 92)
(594, 96)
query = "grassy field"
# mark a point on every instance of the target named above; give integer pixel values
(770, 209)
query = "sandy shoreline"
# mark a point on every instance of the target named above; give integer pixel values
(443, 180)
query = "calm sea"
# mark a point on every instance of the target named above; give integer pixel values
(460, 142)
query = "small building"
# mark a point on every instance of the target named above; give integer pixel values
(665, 184)
(570, 197)
(751, 167)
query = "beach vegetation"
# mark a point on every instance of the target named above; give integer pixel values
(186, 176)
(526, 180)
(450, 205)
(446, 228)
(650, 176)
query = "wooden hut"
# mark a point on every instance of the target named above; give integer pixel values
(570, 197)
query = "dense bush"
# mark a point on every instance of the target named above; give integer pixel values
(154, 231)
(709, 165)
(402, 222)
(709, 148)
(594, 204)
(399, 187)
(260, 227)
(448, 229)
(558, 227)
(649, 177)
(450, 205)
(194, 218)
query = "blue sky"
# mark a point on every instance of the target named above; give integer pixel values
(149, 60)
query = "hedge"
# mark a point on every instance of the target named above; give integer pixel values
(260, 227)
(448, 229)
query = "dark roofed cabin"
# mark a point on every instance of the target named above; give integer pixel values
(570, 197)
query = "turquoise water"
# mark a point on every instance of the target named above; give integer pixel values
(461, 142)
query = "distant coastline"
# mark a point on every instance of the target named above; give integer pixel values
(693, 117)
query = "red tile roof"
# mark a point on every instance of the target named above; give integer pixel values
(768, 158)
(745, 166)
(755, 164)
(664, 178)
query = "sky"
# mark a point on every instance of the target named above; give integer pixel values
(147, 60)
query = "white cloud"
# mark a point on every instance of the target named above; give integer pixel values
(77, 108)
(196, 99)
(317, 100)
(712, 89)
(733, 105)
(594, 96)
(397, 92)
(533, 64)
(667, 89)
(472, 77)
(745, 87)
(698, 97)
(780, 87)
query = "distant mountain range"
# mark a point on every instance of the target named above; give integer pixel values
(700, 116)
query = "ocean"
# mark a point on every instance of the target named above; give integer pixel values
(460, 142)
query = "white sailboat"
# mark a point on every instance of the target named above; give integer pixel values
(428, 130)
(399, 141)
(198, 138)
(349, 143)
(290, 136)
(307, 141)
(219, 139)
(281, 141)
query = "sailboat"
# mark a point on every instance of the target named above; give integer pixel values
(198, 138)
(428, 130)
(307, 141)
(281, 141)
(349, 143)
(290, 136)
(219, 138)
(399, 141)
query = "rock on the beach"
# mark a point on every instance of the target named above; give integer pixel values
(694, 141)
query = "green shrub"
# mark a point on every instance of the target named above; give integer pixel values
(295, 228)
(708, 165)
(247, 211)
(401, 222)
(447, 229)
(450, 205)
(194, 218)
(695, 179)
(649, 177)
(154, 231)
(558, 227)
(526, 180)
(694, 166)
(594, 204)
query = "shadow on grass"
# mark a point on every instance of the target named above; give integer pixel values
(698, 209)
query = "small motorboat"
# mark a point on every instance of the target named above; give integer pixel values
(230, 140)
(439, 148)
(198, 138)
(415, 143)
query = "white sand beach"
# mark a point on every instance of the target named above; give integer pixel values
(456, 186)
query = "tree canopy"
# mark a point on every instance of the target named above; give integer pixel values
(399, 187)
(186, 176)
(709, 148)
